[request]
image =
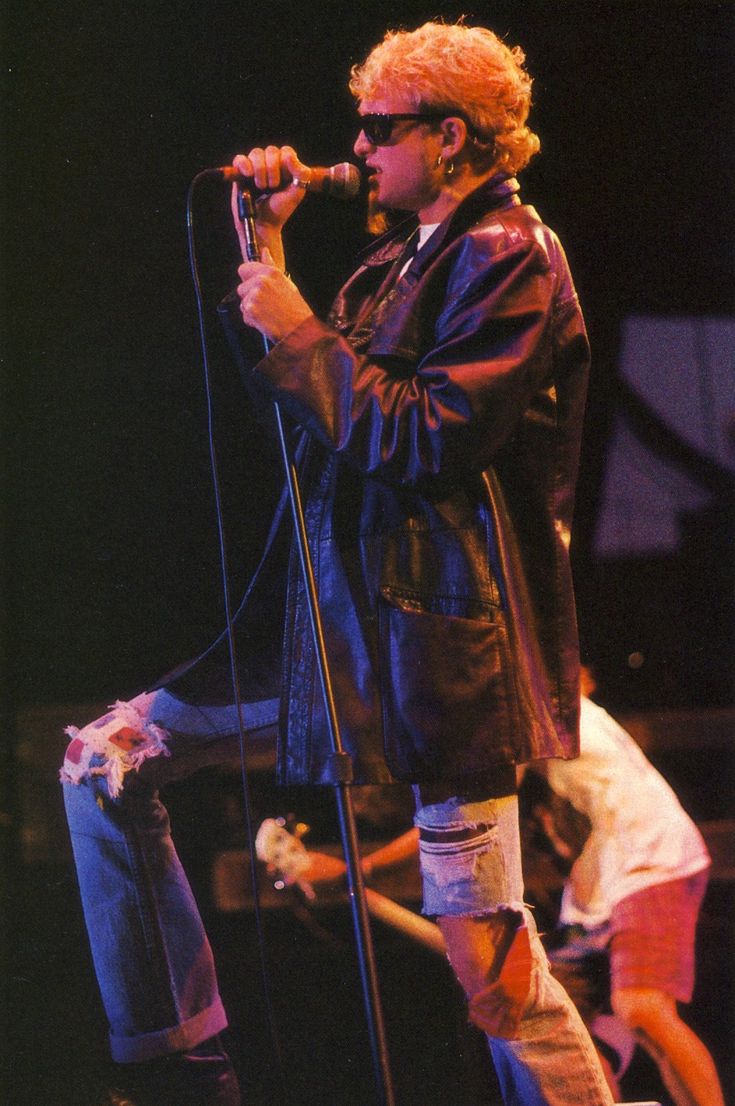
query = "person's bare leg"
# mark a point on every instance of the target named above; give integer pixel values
(686, 1066)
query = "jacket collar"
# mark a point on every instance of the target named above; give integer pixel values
(499, 191)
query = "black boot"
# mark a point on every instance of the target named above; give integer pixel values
(201, 1076)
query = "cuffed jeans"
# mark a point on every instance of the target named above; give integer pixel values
(151, 955)
(152, 959)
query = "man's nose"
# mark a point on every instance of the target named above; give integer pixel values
(362, 147)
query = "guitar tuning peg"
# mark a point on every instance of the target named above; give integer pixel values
(290, 822)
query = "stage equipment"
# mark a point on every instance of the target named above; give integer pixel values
(341, 762)
(339, 181)
(341, 768)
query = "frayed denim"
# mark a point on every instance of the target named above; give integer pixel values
(471, 867)
(151, 955)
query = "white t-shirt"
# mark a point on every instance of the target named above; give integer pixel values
(425, 231)
(641, 836)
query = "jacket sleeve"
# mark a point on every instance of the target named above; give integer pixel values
(454, 407)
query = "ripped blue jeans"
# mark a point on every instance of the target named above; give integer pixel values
(470, 854)
(151, 955)
(153, 962)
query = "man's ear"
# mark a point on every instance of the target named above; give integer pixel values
(454, 135)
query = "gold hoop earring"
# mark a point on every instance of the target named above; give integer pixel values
(439, 162)
(449, 167)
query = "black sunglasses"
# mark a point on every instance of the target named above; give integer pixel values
(378, 127)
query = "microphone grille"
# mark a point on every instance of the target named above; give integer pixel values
(344, 180)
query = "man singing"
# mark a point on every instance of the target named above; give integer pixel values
(439, 411)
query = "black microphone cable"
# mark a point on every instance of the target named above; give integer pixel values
(229, 624)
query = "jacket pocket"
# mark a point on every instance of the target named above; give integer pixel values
(446, 687)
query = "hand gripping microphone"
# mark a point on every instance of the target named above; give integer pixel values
(341, 181)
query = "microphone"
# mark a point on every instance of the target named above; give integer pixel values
(341, 181)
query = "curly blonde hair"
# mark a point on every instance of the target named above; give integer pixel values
(464, 70)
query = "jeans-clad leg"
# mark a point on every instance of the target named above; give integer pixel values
(151, 955)
(471, 868)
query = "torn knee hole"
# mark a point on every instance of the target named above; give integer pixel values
(111, 746)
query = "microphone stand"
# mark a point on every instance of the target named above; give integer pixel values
(340, 762)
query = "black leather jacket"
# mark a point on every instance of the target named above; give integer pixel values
(442, 415)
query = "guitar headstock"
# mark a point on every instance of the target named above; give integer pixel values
(278, 844)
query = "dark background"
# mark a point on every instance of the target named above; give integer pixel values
(110, 566)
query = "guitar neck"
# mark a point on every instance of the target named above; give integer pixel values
(413, 925)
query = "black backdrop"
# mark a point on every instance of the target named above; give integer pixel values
(112, 566)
